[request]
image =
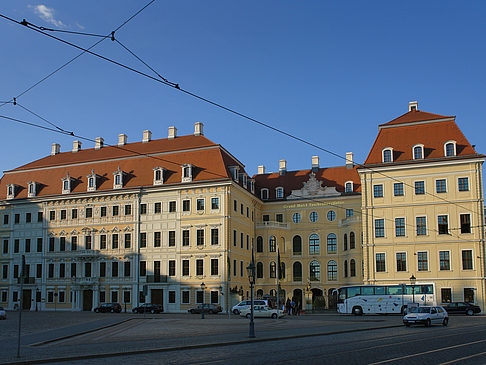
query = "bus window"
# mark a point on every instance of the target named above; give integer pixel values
(394, 290)
(425, 289)
(367, 290)
(379, 290)
(409, 290)
(354, 291)
(342, 295)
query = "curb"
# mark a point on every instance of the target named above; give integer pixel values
(189, 347)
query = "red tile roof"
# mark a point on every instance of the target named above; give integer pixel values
(294, 180)
(415, 116)
(211, 163)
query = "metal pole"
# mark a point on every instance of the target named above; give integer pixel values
(413, 294)
(252, 324)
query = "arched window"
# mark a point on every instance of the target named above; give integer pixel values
(331, 243)
(297, 271)
(273, 293)
(315, 271)
(273, 270)
(259, 244)
(331, 270)
(349, 187)
(273, 244)
(282, 270)
(297, 245)
(259, 293)
(279, 192)
(331, 215)
(345, 268)
(352, 268)
(345, 243)
(450, 148)
(314, 248)
(259, 270)
(296, 217)
(352, 241)
(418, 152)
(387, 155)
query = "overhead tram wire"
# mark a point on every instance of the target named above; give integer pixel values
(319, 200)
(2, 103)
(177, 87)
(45, 120)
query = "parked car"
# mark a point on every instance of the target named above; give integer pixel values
(148, 308)
(462, 308)
(262, 311)
(426, 315)
(108, 307)
(245, 304)
(208, 308)
(3, 313)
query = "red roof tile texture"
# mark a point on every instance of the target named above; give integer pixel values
(416, 116)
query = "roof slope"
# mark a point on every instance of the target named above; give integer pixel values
(416, 116)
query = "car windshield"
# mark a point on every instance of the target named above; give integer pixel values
(419, 310)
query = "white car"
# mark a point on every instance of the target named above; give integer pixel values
(262, 311)
(426, 316)
(3, 313)
(245, 304)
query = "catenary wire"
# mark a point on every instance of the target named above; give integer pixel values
(44, 119)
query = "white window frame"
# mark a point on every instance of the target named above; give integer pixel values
(426, 226)
(67, 180)
(383, 154)
(450, 260)
(160, 170)
(406, 261)
(475, 290)
(404, 226)
(428, 261)
(374, 262)
(448, 224)
(190, 170)
(118, 174)
(455, 148)
(472, 259)
(452, 293)
(468, 184)
(413, 151)
(345, 186)
(182, 296)
(89, 177)
(12, 194)
(279, 192)
(446, 186)
(32, 189)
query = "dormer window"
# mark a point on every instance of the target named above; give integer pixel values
(234, 172)
(118, 179)
(32, 189)
(418, 152)
(92, 181)
(244, 180)
(187, 170)
(11, 191)
(279, 193)
(388, 155)
(158, 175)
(66, 184)
(264, 194)
(252, 186)
(348, 187)
(450, 148)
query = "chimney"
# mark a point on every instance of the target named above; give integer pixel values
(99, 143)
(76, 146)
(56, 148)
(198, 129)
(349, 160)
(122, 139)
(261, 169)
(282, 167)
(315, 163)
(412, 106)
(172, 132)
(147, 136)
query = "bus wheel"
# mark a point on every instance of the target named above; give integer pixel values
(357, 311)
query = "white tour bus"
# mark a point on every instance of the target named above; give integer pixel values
(383, 299)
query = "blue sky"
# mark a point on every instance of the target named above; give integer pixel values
(328, 72)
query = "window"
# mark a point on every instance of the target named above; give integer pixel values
(214, 203)
(259, 246)
(315, 271)
(214, 267)
(51, 244)
(419, 187)
(114, 241)
(297, 271)
(467, 262)
(102, 269)
(446, 295)
(28, 217)
(38, 271)
(465, 223)
(214, 296)
(128, 209)
(423, 262)
(115, 210)
(73, 269)
(378, 191)
(272, 244)
(279, 192)
(200, 204)
(5, 272)
(172, 206)
(200, 237)
(345, 268)
(185, 267)
(88, 213)
(279, 217)
(5, 247)
(74, 243)
(387, 155)
(379, 228)
(352, 241)
(296, 218)
(128, 240)
(143, 209)
(352, 268)
(172, 296)
(74, 213)
(314, 244)
(398, 189)
(399, 227)
(235, 205)
(52, 215)
(172, 238)
(39, 244)
(199, 267)
(103, 210)
(16, 246)
(463, 183)
(5, 219)
(440, 186)
(331, 215)
(172, 267)
(418, 153)
(313, 216)
(331, 270)
(345, 242)
(450, 149)
(401, 261)
(186, 205)
(235, 237)
(114, 296)
(17, 218)
(185, 237)
(296, 245)
(62, 244)
(264, 194)
(157, 207)
(157, 239)
(158, 175)
(143, 268)
(421, 226)
(348, 187)
(126, 268)
(443, 224)
(380, 262)
(331, 243)
(143, 239)
(214, 236)
(187, 172)
(469, 295)
(444, 260)
(349, 213)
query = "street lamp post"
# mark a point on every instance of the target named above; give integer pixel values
(251, 277)
(413, 280)
(37, 291)
(203, 286)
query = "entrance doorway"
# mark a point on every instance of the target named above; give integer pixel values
(318, 301)
(332, 298)
(156, 296)
(87, 300)
(297, 297)
(26, 299)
